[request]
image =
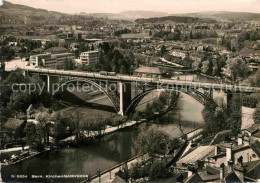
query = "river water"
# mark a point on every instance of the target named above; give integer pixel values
(110, 151)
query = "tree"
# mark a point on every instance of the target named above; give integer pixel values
(43, 119)
(33, 137)
(256, 115)
(255, 79)
(237, 68)
(15, 77)
(152, 141)
(92, 47)
(163, 50)
(137, 115)
(76, 117)
(19, 101)
(158, 170)
(216, 70)
(68, 64)
(191, 35)
(234, 114)
(60, 131)
(122, 70)
(197, 65)
(254, 35)
(207, 67)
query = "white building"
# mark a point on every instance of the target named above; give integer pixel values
(89, 57)
(55, 61)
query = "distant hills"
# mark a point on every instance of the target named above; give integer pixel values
(223, 15)
(128, 15)
(171, 19)
(142, 14)
(15, 14)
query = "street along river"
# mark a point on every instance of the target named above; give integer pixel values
(111, 150)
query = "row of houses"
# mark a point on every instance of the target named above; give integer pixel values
(237, 160)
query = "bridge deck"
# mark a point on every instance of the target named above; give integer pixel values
(161, 83)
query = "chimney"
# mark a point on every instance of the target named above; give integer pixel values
(230, 166)
(191, 170)
(222, 171)
(216, 150)
(240, 139)
(190, 173)
(240, 161)
(229, 154)
(240, 169)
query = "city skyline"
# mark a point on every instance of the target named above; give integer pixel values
(166, 6)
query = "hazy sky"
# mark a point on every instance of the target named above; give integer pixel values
(168, 6)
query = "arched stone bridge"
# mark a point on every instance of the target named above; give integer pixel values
(120, 93)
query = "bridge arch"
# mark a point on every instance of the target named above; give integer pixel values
(200, 97)
(115, 97)
(113, 100)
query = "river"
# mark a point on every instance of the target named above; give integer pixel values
(113, 149)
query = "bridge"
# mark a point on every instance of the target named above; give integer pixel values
(120, 95)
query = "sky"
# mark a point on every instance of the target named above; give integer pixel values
(167, 6)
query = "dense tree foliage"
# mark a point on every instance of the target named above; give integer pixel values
(152, 141)
(33, 137)
(223, 117)
(113, 60)
(237, 68)
(256, 115)
(122, 31)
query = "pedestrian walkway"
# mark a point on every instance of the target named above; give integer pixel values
(107, 131)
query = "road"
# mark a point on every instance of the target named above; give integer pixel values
(159, 82)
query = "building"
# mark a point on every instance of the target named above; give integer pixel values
(241, 172)
(94, 42)
(14, 127)
(199, 154)
(180, 54)
(225, 162)
(226, 154)
(54, 61)
(89, 57)
(56, 50)
(148, 72)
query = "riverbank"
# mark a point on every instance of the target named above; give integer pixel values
(13, 149)
(113, 129)
(108, 175)
(24, 156)
(107, 131)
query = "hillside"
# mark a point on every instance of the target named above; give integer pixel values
(128, 15)
(142, 14)
(224, 15)
(176, 19)
(14, 14)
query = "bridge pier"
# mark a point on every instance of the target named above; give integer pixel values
(52, 83)
(125, 96)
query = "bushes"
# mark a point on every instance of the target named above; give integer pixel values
(158, 170)
(154, 170)
(250, 100)
(256, 115)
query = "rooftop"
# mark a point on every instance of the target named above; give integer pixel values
(56, 49)
(13, 123)
(247, 117)
(197, 154)
(135, 36)
(253, 128)
(149, 70)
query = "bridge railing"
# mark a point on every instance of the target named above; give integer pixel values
(126, 78)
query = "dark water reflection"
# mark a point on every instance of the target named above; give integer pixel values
(110, 151)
